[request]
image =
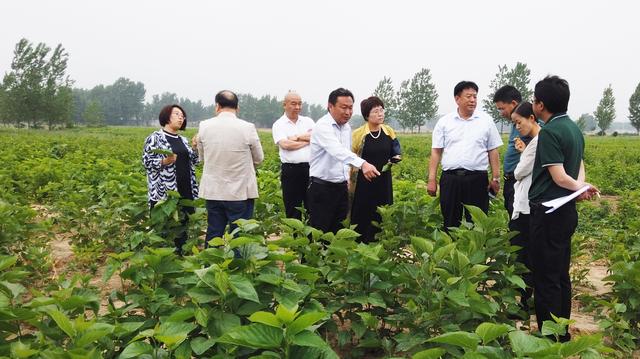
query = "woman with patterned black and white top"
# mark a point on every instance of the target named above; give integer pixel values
(170, 162)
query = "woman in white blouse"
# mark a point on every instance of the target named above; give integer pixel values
(527, 125)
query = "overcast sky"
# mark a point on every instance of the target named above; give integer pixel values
(196, 48)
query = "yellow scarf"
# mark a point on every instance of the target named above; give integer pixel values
(359, 134)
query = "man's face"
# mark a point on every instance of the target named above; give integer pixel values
(506, 108)
(537, 107)
(467, 101)
(292, 106)
(342, 110)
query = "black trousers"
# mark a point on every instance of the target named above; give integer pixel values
(522, 225)
(550, 245)
(458, 187)
(328, 204)
(508, 192)
(294, 178)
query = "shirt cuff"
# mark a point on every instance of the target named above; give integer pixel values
(357, 162)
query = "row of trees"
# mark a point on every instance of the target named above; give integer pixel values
(37, 91)
(601, 118)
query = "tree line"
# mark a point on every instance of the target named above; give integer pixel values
(37, 92)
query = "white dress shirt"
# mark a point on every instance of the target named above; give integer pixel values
(331, 151)
(283, 128)
(523, 175)
(465, 143)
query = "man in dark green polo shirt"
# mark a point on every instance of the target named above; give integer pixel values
(558, 171)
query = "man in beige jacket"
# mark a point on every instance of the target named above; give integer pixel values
(230, 149)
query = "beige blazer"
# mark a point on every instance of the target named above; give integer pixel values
(230, 149)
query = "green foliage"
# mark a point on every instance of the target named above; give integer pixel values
(634, 109)
(387, 94)
(606, 111)
(517, 77)
(417, 101)
(37, 88)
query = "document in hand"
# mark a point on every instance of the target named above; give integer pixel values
(559, 202)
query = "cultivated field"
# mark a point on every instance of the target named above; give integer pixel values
(85, 272)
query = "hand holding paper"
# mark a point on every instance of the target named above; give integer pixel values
(585, 192)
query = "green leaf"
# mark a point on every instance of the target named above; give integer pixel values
(517, 280)
(256, 336)
(286, 315)
(376, 299)
(461, 339)
(20, 350)
(7, 261)
(265, 318)
(172, 334)
(62, 321)
(240, 241)
(293, 223)
(433, 353)
(478, 269)
(421, 245)
(490, 331)
(303, 322)
(346, 233)
(386, 167)
(183, 351)
(200, 345)
(202, 317)
(458, 297)
(309, 339)
(523, 343)
(135, 350)
(243, 288)
(580, 344)
(93, 333)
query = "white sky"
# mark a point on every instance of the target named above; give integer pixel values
(196, 48)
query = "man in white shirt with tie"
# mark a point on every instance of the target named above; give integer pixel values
(292, 133)
(331, 156)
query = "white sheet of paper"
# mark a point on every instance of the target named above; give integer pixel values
(559, 202)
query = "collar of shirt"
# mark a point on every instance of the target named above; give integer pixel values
(557, 115)
(475, 115)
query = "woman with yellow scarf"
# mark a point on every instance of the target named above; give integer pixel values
(377, 144)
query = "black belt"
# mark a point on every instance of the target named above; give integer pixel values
(464, 172)
(509, 176)
(317, 180)
(301, 164)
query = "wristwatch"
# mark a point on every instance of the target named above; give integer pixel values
(496, 179)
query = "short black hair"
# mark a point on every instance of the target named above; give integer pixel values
(524, 109)
(368, 104)
(227, 99)
(554, 93)
(506, 94)
(463, 85)
(339, 92)
(165, 115)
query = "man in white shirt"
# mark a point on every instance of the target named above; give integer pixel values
(331, 156)
(466, 141)
(292, 133)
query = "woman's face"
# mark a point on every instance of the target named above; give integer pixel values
(376, 116)
(176, 119)
(524, 125)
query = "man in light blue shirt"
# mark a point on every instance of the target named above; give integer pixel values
(329, 162)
